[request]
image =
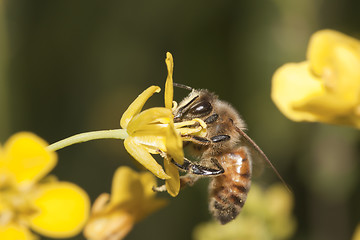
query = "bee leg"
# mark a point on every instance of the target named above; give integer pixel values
(211, 118)
(192, 176)
(185, 166)
(161, 188)
(194, 172)
(207, 141)
(197, 140)
(188, 180)
(220, 138)
(198, 169)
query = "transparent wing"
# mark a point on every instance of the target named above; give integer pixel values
(258, 157)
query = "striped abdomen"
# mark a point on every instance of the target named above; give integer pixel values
(228, 191)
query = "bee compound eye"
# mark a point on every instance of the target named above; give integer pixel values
(201, 108)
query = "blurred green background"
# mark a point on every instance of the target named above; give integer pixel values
(73, 66)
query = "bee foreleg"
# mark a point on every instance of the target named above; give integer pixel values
(197, 139)
(199, 169)
(220, 138)
(185, 166)
(206, 141)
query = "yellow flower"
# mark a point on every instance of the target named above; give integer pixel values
(153, 131)
(148, 132)
(356, 235)
(266, 215)
(28, 200)
(326, 87)
(131, 200)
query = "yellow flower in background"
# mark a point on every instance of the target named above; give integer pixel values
(131, 200)
(267, 214)
(326, 87)
(30, 201)
(356, 235)
(153, 131)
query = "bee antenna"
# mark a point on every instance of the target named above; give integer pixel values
(179, 85)
(257, 148)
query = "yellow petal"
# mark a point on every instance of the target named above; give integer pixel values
(2, 156)
(115, 225)
(331, 75)
(335, 58)
(151, 143)
(147, 117)
(174, 144)
(132, 192)
(136, 106)
(169, 90)
(144, 158)
(27, 157)
(293, 84)
(63, 210)
(15, 232)
(156, 129)
(322, 46)
(148, 182)
(172, 184)
(100, 204)
(126, 186)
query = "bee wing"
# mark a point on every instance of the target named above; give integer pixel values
(258, 154)
(257, 157)
(258, 163)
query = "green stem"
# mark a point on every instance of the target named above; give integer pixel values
(84, 137)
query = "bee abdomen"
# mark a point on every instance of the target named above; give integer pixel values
(225, 205)
(228, 192)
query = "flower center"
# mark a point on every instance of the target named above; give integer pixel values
(195, 126)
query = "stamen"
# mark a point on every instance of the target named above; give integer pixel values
(190, 123)
(175, 105)
(189, 131)
(201, 122)
(189, 128)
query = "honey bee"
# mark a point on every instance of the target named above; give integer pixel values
(225, 154)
